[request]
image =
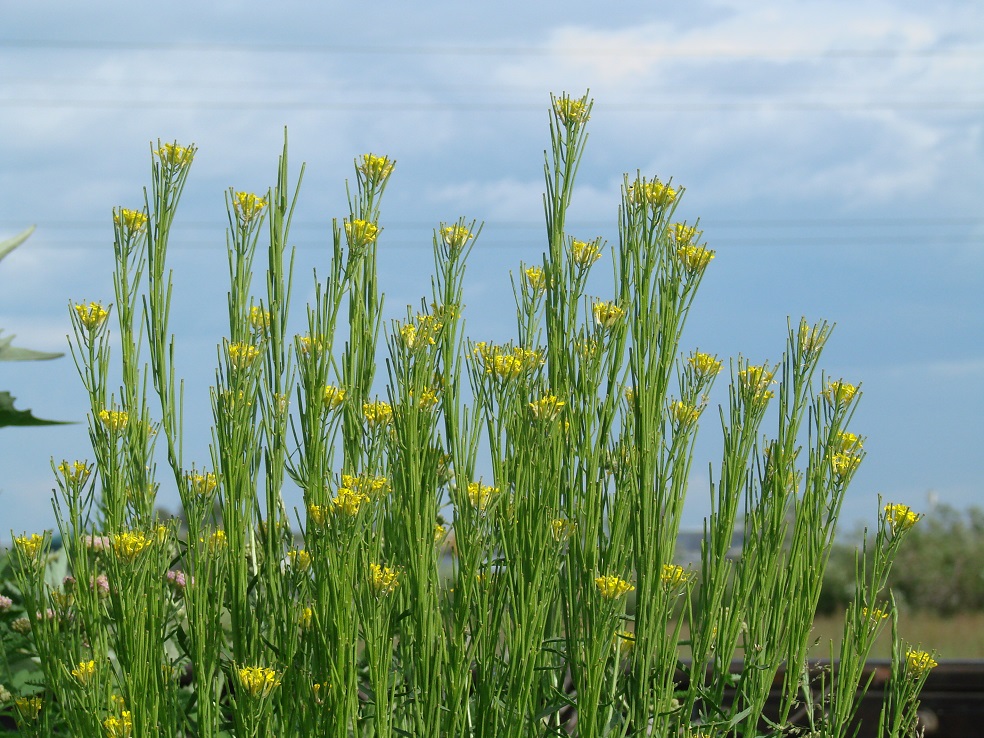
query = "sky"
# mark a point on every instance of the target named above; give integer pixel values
(832, 149)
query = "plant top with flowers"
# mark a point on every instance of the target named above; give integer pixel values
(487, 540)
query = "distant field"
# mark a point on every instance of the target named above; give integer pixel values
(957, 637)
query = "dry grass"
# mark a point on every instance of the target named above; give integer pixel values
(957, 637)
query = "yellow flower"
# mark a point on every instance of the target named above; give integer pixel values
(31, 546)
(349, 502)
(439, 532)
(172, 155)
(378, 413)
(217, 541)
(480, 495)
(840, 393)
(562, 529)
(844, 463)
(130, 544)
(383, 579)
(305, 616)
(612, 587)
(202, 485)
(695, 258)
(607, 314)
(900, 517)
(28, 707)
(84, 672)
(506, 363)
(91, 316)
(75, 473)
(248, 206)
(428, 399)
(674, 576)
(873, 616)
(309, 345)
(754, 381)
(375, 168)
(704, 365)
(114, 420)
(258, 681)
(655, 194)
(365, 483)
(847, 442)
(547, 407)
(584, 253)
(241, 355)
(318, 514)
(536, 279)
(259, 319)
(572, 112)
(684, 413)
(119, 727)
(300, 559)
(456, 235)
(360, 232)
(684, 235)
(129, 220)
(333, 397)
(918, 662)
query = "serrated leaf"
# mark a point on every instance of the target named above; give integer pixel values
(15, 353)
(12, 243)
(10, 416)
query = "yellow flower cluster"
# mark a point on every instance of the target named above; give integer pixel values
(754, 381)
(175, 156)
(674, 576)
(481, 495)
(360, 232)
(75, 473)
(202, 485)
(366, 483)
(585, 253)
(349, 501)
(535, 279)
(128, 220)
(612, 587)
(840, 394)
(91, 316)
(241, 355)
(455, 235)
(547, 407)
(375, 168)
(29, 546)
(694, 258)
(562, 529)
(28, 707)
(378, 413)
(684, 413)
(572, 112)
(318, 514)
(684, 235)
(873, 616)
(654, 194)
(114, 420)
(130, 544)
(607, 314)
(333, 397)
(918, 662)
(900, 517)
(258, 681)
(248, 206)
(259, 319)
(309, 345)
(300, 559)
(119, 727)
(383, 579)
(704, 365)
(84, 672)
(504, 362)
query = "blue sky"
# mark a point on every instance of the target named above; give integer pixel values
(834, 152)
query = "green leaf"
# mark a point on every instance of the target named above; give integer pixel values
(12, 243)
(14, 353)
(10, 416)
